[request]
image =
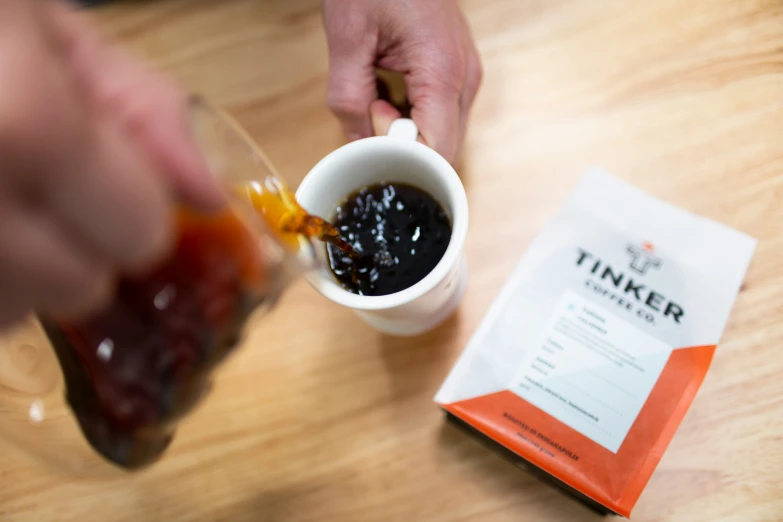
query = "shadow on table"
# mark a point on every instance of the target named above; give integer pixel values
(270, 506)
(310, 500)
(417, 365)
(526, 494)
(462, 166)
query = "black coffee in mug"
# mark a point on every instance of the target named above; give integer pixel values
(399, 233)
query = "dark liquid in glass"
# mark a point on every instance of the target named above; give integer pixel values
(136, 368)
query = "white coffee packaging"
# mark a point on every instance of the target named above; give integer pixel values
(589, 358)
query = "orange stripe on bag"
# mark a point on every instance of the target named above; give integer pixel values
(614, 480)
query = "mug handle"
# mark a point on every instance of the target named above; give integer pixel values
(403, 129)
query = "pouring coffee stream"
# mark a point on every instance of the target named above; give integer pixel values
(293, 219)
(314, 226)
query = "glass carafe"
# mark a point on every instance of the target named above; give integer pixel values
(106, 395)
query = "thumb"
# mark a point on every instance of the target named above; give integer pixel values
(383, 115)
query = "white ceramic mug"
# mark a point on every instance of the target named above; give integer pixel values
(397, 157)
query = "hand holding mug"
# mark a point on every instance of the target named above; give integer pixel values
(429, 41)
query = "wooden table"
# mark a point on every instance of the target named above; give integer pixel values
(321, 419)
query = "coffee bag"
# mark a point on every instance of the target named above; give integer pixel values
(591, 355)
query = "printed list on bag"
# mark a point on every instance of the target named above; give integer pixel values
(592, 370)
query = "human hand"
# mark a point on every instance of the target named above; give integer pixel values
(93, 150)
(427, 40)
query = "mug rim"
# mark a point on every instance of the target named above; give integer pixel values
(445, 174)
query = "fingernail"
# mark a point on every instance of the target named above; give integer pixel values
(353, 136)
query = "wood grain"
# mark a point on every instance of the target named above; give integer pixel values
(319, 418)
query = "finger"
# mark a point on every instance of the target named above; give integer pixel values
(434, 91)
(350, 91)
(157, 116)
(473, 78)
(42, 271)
(352, 81)
(474, 73)
(112, 201)
(383, 115)
(152, 108)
